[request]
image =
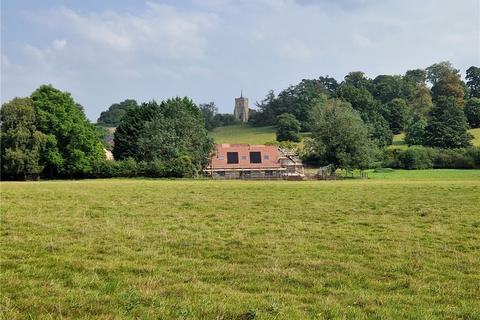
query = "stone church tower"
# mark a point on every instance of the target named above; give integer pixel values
(241, 109)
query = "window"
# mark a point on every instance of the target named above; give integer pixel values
(221, 173)
(255, 157)
(266, 157)
(268, 173)
(232, 157)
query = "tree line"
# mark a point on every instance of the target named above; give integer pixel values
(47, 134)
(354, 120)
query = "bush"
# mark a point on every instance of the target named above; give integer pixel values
(418, 157)
(181, 167)
(153, 169)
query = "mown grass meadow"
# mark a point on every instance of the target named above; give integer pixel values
(385, 248)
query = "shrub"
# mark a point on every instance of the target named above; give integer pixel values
(419, 157)
(181, 167)
(153, 169)
(416, 158)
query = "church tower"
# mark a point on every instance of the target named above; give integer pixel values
(241, 109)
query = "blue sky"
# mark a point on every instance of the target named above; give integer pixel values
(104, 51)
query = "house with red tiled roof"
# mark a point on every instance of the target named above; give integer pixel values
(246, 161)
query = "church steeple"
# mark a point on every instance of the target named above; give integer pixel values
(241, 108)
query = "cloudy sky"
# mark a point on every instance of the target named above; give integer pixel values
(104, 51)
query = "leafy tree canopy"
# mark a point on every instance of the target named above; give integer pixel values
(472, 112)
(449, 85)
(386, 88)
(73, 145)
(439, 70)
(297, 100)
(209, 110)
(21, 143)
(415, 133)
(288, 128)
(339, 136)
(171, 130)
(112, 117)
(473, 81)
(397, 114)
(416, 76)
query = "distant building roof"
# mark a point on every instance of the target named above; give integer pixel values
(269, 156)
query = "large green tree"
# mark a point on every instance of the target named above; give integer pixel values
(73, 144)
(21, 143)
(397, 114)
(386, 88)
(473, 81)
(472, 112)
(296, 99)
(447, 126)
(420, 101)
(439, 70)
(171, 130)
(354, 91)
(288, 128)
(209, 110)
(112, 117)
(449, 85)
(415, 132)
(339, 136)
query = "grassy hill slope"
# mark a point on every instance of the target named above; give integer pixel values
(262, 135)
(243, 134)
(476, 136)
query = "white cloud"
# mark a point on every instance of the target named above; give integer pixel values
(161, 30)
(208, 49)
(59, 44)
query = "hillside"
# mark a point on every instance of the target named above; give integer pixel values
(262, 135)
(476, 136)
(243, 134)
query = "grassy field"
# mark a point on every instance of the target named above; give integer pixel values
(243, 134)
(402, 246)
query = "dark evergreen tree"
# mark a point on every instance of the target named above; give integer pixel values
(397, 114)
(472, 112)
(473, 81)
(172, 132)
(447, 125)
